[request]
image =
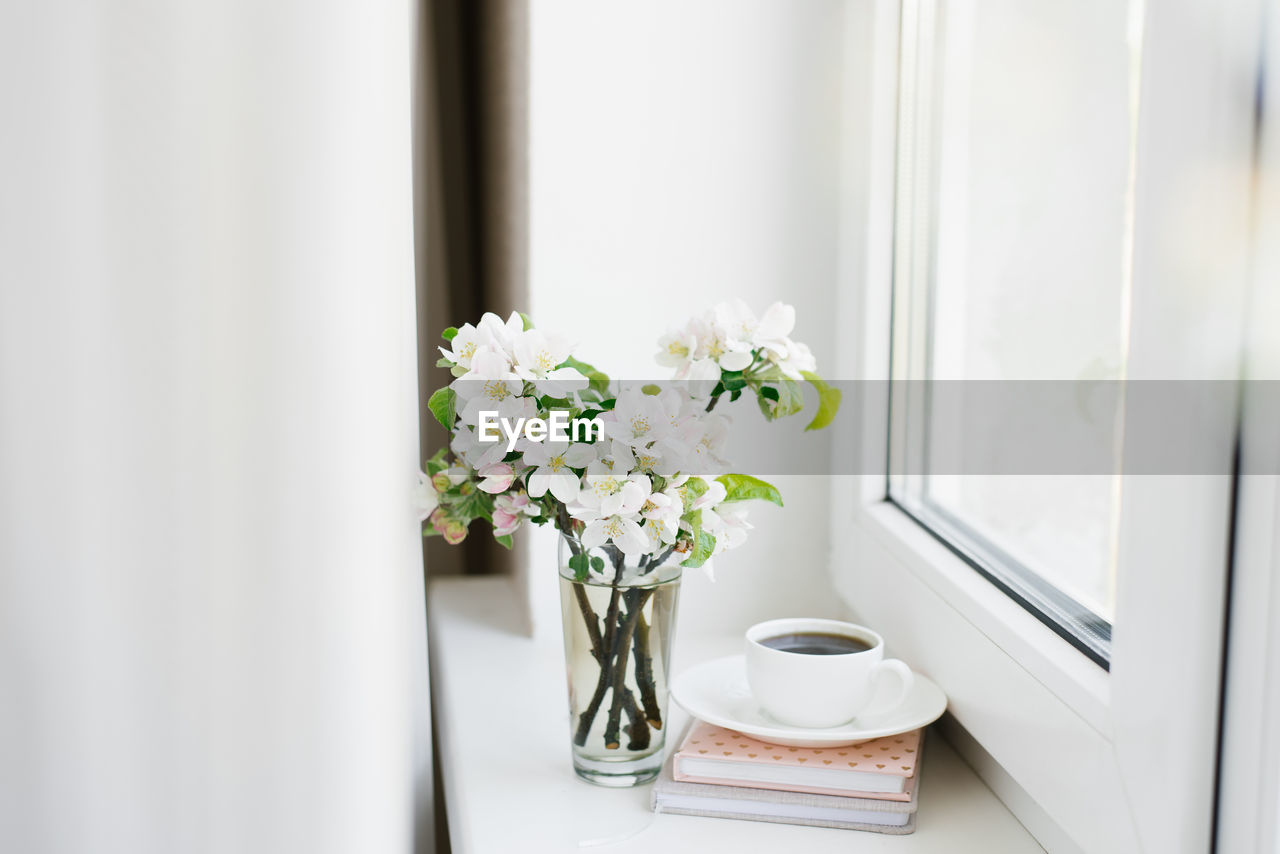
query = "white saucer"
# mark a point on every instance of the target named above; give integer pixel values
(716, 692)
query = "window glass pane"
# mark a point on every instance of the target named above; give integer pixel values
(1012, 255)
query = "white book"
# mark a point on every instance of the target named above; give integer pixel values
(785, 807)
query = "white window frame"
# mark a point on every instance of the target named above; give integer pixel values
(1123, 761)
(1249, 797)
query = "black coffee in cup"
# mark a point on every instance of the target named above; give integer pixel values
(815, 643)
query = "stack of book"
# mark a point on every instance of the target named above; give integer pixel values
(868, 786)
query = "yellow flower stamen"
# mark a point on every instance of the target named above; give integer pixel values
(606, 486)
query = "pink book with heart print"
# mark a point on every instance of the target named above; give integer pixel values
(882, 769)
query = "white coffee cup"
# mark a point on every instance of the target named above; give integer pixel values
(821, 691)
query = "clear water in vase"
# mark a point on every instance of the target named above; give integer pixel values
(617, 640)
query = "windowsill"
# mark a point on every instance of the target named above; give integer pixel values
(499, 715)
(1077, 681)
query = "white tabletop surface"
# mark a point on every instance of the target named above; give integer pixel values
(500, 707)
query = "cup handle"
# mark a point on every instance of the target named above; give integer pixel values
(906, 680)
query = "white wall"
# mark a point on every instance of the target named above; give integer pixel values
(681, 154)
(211, 612)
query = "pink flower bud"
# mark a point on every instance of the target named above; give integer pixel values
(454, 532)
(505, 522)
(439, 519)
(497, 478)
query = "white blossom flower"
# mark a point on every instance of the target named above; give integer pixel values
(637, 419)
(501, 334)
(714, 495)
(653, 535)
(700, 371)
(654, 460)
(662, 511)
(470, 451)
(491, 386)
(553, 464)
(613, 458)
(536, 356)
(715, 343)
(610, 505)
(425, 498)
(608, 494)
(703, 454)
(623, 531)
(774, 327)
(794, 360)
(738, 321)
(676, 348)
(465, 344)
(688, 426)
(510, 511)
(728, 524)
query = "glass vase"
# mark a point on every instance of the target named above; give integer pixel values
(619, 613)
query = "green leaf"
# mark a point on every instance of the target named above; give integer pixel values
(597, 380)
(477, 505)
(702, 549)
(692, 490)
(458, 371)
(579, 563)
(769, 391)
(732, 380)
(441, 404)
(504, 541)
(524, 318)
(695, 525)
(437, 463)
(442, 362)
(769, 374)
(744, 487)
(450, 333)
(828, 402)
(597, 563)
(790, 401)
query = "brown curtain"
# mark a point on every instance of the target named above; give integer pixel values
(471, 202)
